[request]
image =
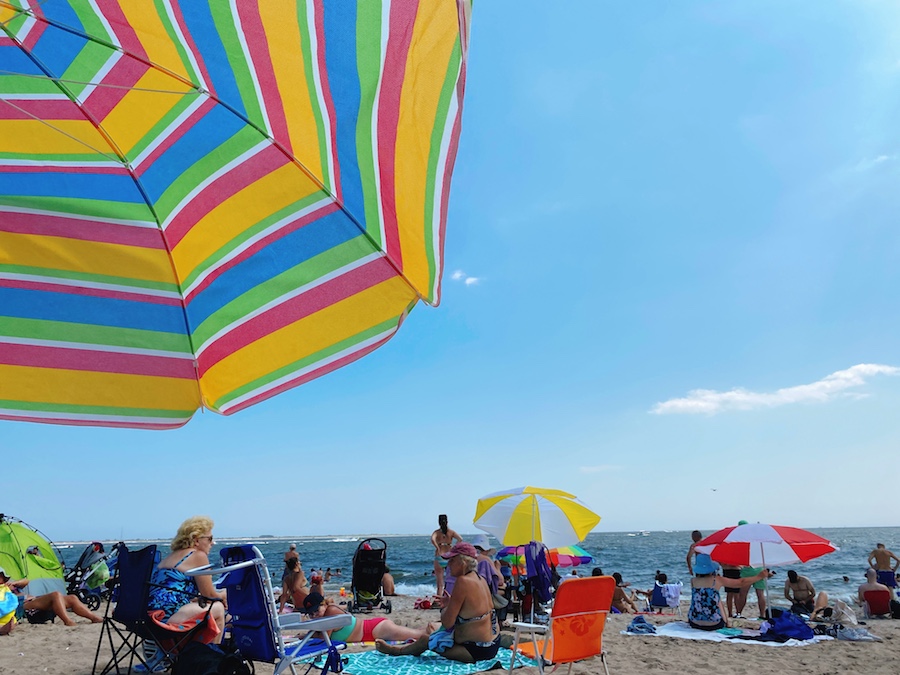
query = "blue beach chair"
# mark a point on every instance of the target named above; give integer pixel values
(257, 629)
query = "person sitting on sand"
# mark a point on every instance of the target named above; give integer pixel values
(387, 582)
(470, 631)
(621, 600)
(870, 585)
(293, 586)
(359, 630)
(706, 611)
(801, 593)
(173, 591)
(880, 560)
(54, 602)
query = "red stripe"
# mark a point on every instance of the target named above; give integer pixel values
(47, 225)
(114, 86)
(402, 21)
(257, 43)
(295, 309)
(44, 109)
(225, 186)
(175, 135)
(94, 361)
(445, 197)
(39, 29)
(319, 19)
(47, 287)
(136, 424)
(121, 28)
(307, 377)
(260, 245)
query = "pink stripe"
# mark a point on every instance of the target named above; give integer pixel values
(260, 245)
(256, 41)
(59, 358)
(295, 309)
(319, 19)
(136, 424)
(445, 196)
(115, 85)
(402, 20)
(128, 40)
(248, 172)
(307, 377)
(90, 292)
(84, 230)
(176, 134)
(40, 27)
(22, 109)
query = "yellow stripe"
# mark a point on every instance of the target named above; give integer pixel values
(55, 137)
(272, 192)
(74, 255)
(310, 335)
(282, 29)
(143, 17)
(426, 66)
(87, 388)
(134, 115)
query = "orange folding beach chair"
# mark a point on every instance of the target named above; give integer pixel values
(878, 603)
(575, 629)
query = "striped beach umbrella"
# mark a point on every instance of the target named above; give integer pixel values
(564, 556)
(205, 203)
(525, 514)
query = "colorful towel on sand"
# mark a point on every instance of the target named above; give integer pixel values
(429, 663)
(681, 629)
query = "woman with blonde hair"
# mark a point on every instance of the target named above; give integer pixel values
(176, 593)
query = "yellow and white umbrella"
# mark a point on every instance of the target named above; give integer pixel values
(525, 514)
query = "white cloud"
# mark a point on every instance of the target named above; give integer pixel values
(870, 163)
(828, 388)
(459, 275)
(598, 468)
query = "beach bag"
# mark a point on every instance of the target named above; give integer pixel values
(895, 609)
(499, 601)
(790, 626)
(202, 659)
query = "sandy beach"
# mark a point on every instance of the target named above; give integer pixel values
(56, 650)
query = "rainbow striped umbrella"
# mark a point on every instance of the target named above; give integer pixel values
(564, 556)
(205, 203)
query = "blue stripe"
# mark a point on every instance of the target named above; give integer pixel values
(82, 185)
(57, 49)
(280, 256)
(343, 79)
(15, 60)
(216, 127)
(70, 308)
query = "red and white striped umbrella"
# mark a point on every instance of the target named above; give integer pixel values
(762, 545)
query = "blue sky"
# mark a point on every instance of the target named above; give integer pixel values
(671, 249)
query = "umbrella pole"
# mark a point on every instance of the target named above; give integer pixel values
(762, 553)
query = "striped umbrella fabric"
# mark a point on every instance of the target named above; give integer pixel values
(206, 203)
(564, 556)
(525, 514)
(761, 545)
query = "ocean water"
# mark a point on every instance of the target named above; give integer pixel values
(636, 555)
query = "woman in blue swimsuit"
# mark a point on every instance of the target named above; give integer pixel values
(173, 591)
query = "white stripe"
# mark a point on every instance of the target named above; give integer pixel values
(290, 218)
(164, 134)
(233, 164)
(146, 224)
(385, 32)
(78, 283)
(35, 97)
(111, 349)
(320, 97)
(80, 417)
(334, 274)
(114, 58)
(251, 66)
(310, 368)
(29, 23)
(60, 163)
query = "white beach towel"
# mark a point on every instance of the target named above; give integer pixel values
(680, 629)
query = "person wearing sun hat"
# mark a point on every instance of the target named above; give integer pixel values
(469, 628)
(706, 611)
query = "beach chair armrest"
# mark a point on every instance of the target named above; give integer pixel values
(530, 627)
(210, 570)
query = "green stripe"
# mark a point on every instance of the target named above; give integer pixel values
(94, 278)
(434, 172)
(81, 207)
(243, 75)
(305, 362)
(28, 406)
(291, 279)
(93, 54)
(247, 234)
(307, 33)
(368, 63)
(87, 334)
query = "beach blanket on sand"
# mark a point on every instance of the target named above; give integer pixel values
(429, 663)
(681, 629)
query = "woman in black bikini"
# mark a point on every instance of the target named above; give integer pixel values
(469, 614)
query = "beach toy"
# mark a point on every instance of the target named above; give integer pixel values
(343, 592)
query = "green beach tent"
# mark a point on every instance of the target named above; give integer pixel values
(20, 560)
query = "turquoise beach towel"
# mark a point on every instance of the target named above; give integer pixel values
(429, 663)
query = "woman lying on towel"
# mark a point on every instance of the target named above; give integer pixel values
(470, 631)
(706, 611)
(358, 630)
(173, 591)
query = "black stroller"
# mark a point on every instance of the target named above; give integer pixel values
(88, 578)
(368, 569)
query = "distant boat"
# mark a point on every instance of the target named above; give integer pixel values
(645, 533)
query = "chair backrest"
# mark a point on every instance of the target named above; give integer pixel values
(133, 574)
(251, 605)
(579, 617)
(657, 599)
(879, 602)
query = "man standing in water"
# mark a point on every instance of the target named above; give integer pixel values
(880, 560)
(442, 539)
